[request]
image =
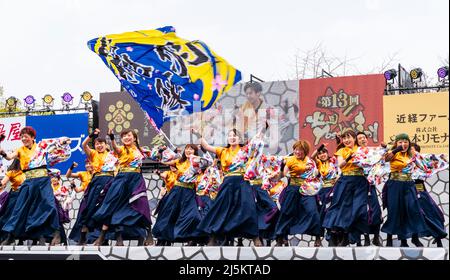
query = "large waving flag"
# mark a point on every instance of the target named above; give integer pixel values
(165, 74)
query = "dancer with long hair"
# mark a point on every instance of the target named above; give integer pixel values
(103, 163)
(233, 213)
(347, 214)
(125, 208)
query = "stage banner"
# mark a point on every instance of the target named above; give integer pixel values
(119, 111)
(329, 106)
(423, 116)
(74, 126)
(10, 127)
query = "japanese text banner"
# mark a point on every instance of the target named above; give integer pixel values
(11, 128)
(329, 106)
(423, 116)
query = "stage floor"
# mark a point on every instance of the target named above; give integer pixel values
(219, 253)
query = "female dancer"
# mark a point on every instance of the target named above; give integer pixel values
(348, 213)
(85, 177)
(233, 213)
(103, 164)
(15, 176)
(179, 217)
(169, 178)
(298, 213)
(260, 170)
(208, 182)
(433, 215)
(125, 208)
(62, 200)
(35, 214)
(375, 218)
(329, 173)
(404, 217)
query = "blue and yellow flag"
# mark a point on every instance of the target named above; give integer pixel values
(165, 74)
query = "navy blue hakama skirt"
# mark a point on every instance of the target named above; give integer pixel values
(348, 210)
(125, 207)
(35, 213)
(404, 215)
(233, 212)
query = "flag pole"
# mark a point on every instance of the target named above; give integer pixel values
(168, 140)
(160, 131)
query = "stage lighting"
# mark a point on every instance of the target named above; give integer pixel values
(416, 73)
(442, 72)
(29, 101)
(67, 100)
(11, 103)
(389, 75)
(86, 97)
(48, 101)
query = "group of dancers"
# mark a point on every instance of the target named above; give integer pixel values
(219, 195)
(114, 204)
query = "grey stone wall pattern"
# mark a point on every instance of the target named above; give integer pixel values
(241, 253)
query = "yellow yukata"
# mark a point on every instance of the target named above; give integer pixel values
(85, 178)
(24, 155)
(345, 153)
(130, 157)
(97, 160)
(399, 162)
(169, 181)
(226, 156)
(38, 155)
(296, 166)
(323, 167)
(16, 177)
(182, 167)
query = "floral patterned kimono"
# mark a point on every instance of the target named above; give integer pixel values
(35, 214)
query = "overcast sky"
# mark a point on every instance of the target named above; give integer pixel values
(43, 43)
